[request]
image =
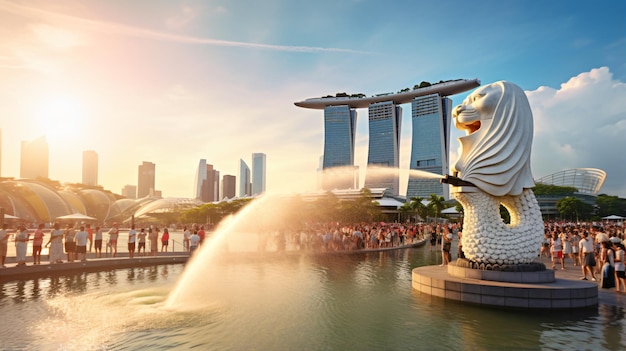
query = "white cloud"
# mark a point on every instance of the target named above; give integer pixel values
(582, 124)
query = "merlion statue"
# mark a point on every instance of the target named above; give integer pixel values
(493, 169)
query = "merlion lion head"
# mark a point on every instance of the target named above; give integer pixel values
(495, 152)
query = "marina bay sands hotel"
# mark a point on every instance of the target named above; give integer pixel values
(430, 144)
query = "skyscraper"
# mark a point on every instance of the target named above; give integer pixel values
(430, 145)
(200, 179)
(384, 123)
(258, 173)
(245, 188)
(34, 159)
(338, 170)
(90, 167)
(229, 185)
(384, 146)
(146, 179)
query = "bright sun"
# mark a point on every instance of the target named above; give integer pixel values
(61, 118)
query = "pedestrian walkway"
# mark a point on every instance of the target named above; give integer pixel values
(571, 272)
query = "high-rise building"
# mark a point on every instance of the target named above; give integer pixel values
(245, 187)
(229, 186)
(129, 191)
(34, 159)
(200, 179)
(430, 145)
(258, 173)
(90, 167)
(338, 170)
(207, 182)
(383, 156)
(146, 179)
(384, 123)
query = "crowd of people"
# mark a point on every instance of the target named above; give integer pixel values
(72, 243)
(598, 248)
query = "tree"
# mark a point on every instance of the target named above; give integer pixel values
(610, 205)
(436, 204)
(573, 208)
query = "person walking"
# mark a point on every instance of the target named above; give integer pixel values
(132, 238)
(37, 244)
(607, 276)
(194, 241)
(620, 268)
(97, 245)
(141, 249)
(4, 244)
(70, 243)
(81, 244)
(165, 239)
(153, 236)
(56, 244)
(21, 243)
(587, 259)
(114, 233)
(556, 251)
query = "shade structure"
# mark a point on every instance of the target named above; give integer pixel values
(613, 217)
(8, 216)
(77, 216)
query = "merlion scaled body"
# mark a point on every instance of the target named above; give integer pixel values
(495, 158)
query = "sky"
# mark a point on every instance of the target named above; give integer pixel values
(172, 82)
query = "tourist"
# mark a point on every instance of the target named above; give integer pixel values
(460, 253)
(98, 242)
(153, 236)
(575, 239)
(4, 244)
(70, 243)
(37, 244)
(556, 251)
(56, 244)
(567, 244)
(446, 246)
(433, 237)
(21, 243)
(81, 244)
(186, 237)
(587, 259)
(165, 239)
(89, 235)
(201, 234)
(545, 246)
(114, 233)
(194, 241)
(620, 269)
(132, 238)
(607, 260)
(141, 249)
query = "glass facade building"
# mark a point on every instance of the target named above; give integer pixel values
(245, 187)
(258, 173)
(384, 146)
(430, 145)
(146, 179)
(338, 170)
(90, 167)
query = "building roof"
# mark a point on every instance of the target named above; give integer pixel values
(443, 89)
(586, 180)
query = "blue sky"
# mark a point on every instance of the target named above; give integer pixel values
(172, 82)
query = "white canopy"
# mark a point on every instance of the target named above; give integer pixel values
(613, 217)
(77, 216)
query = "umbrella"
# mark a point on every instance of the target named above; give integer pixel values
(8, 216)
(77, 216)
(613, 217)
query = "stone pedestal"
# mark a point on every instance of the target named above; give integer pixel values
(526, 290)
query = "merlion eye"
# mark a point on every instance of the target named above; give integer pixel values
(477, 96)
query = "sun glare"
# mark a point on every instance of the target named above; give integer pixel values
(60, 118)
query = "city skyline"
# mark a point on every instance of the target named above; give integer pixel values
(174, 82)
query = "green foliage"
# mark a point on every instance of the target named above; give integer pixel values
(546, 189)
(610, 205)
(435, 205)
(573, 208)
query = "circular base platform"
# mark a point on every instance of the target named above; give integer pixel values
(556, 294)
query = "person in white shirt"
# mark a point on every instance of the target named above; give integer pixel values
(132, 238)
(186, 236)
(587, 259)
(194, 241)
(81, 244)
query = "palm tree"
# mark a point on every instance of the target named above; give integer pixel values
(436, 205)
(418, 207)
